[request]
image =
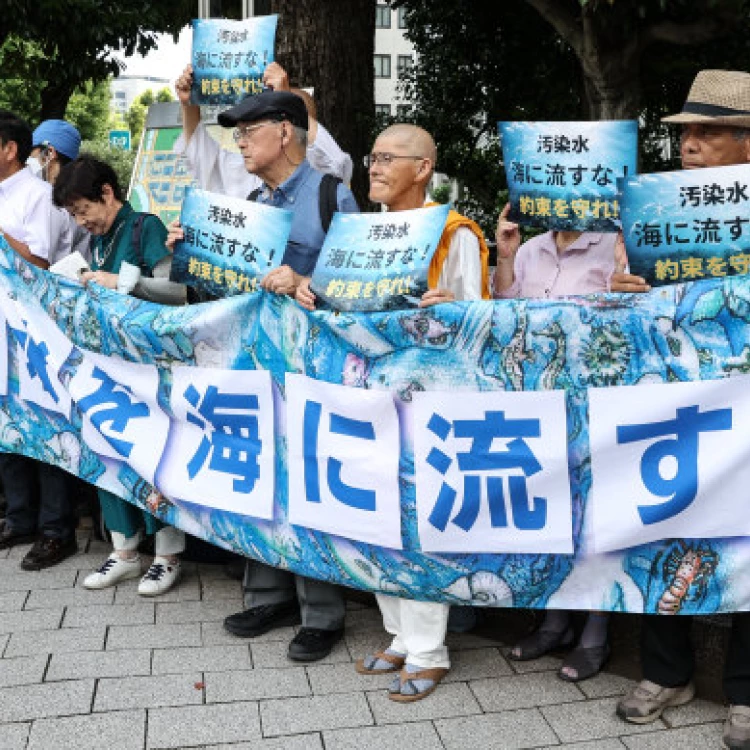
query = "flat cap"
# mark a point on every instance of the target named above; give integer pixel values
(269, 105)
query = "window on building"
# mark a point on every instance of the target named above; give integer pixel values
(382, 66)
(402, 18)
(382, 17)
(382, 109)
(404, 64)
(403, 110)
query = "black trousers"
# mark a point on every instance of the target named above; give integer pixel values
(668, 660)
(38, 497)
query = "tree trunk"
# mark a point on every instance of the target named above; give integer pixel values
(329, 45)
(55, 96)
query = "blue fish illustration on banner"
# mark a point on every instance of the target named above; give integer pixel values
(687, 225)
(229, 58)
(692, 332)
(563, 175)
(378, 261)
(230, 244)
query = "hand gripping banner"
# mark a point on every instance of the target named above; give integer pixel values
(580, 454)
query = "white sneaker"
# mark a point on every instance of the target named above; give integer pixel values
(114, 570)
(160, 577)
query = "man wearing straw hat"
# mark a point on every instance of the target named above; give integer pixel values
(715, 124)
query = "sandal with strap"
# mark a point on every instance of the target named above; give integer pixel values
(406, 688)
(369, 665)
(541, 642)
(587, 662)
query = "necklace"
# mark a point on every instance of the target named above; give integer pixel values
(101, 259)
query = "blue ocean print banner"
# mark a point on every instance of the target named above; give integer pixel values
(229, 58)
(688, 225)
(563, 175)
(62, 347)
(378, 261)
(230, 244)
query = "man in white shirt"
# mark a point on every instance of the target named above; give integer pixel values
(223, 171)
(33, 228)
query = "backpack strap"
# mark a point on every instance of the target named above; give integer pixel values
(327, 199)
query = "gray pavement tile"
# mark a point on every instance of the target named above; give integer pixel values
(153, 636)
(605, 685)
(343, 678)
(76, 665)
(542, 664)
(608, 744)
(453, 699)
(213, 590)
(113, 614)
(12, 600)
(84, 561)
(273, 654)
(415, 736)
(255, 684)
(590, 720)
(189, 726)
(518, 729)
(695, 712)
(51, 578)
(187, 589)
(523, 691)
(49, 699)
(460, 641)
(43, 619)
(290, 742)
(14, 736)
(69, 597)
(214, 634)
(212, 572)
(3, 643)
(364, 619)
(314, 714)
(118, 730)
(194, 611)
(119, 693)
(201, 659)
(701, 737)
(476, 664)
(360, 644)
(54, 641)
(25, 670)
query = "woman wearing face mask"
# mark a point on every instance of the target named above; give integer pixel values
(55, 144)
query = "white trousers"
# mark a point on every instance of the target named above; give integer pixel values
(418, 628)
(167, 541)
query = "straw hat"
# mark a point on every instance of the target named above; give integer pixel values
(721, 97)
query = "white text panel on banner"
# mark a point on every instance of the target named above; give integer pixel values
(669, 461)
(344, 444)
(492, 472)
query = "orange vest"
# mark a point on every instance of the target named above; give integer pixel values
(455, 220)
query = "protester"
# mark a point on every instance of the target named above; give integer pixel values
(56, 143)
(90, 191)
(223, 171)
(715, 124)
(39, 507)
(271, 130)
(401, 164)
(552, 265)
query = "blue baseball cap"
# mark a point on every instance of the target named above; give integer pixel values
(61, 135)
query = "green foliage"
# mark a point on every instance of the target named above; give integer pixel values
(165, 95)
(121, 161)
(88, 110)
(441, 193)
(146, 98)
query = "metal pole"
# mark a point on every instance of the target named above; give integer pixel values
(248, 8)
(204, 8)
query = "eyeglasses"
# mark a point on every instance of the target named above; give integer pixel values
(246, 130)
(384, 158)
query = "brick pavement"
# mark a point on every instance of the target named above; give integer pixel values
(108, 669)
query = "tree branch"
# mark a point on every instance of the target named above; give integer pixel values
(696, 32)
(562, 20)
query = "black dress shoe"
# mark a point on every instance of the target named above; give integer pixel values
(312, 644)
(9, 538)
(259, 620)
(48, 551)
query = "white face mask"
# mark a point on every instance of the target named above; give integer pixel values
(36, 168)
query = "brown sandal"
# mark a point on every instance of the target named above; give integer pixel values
(435, 674)
(395, 660)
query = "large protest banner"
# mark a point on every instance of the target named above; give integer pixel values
(373, 462)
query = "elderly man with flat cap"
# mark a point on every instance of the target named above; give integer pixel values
(715, 132)
(271, 130)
